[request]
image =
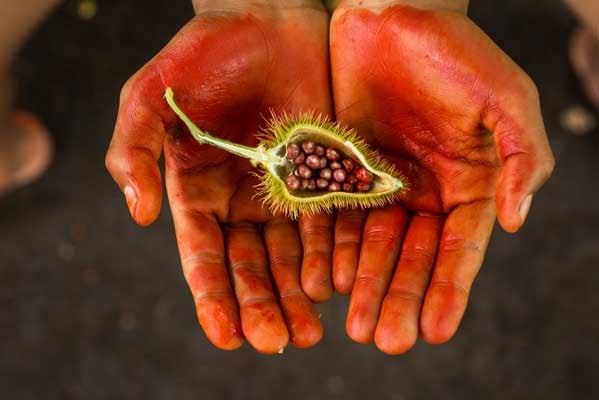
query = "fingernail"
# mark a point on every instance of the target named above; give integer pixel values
(131, 198)
(525, 207)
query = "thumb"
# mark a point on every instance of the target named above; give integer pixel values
(136, 146)
(527, 161)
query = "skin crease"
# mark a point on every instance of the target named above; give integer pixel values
(463, 124)
(229, 67)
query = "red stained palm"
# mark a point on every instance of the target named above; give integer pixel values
(463, 123)
(228, 70)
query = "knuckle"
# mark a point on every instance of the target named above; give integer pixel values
(415, 253)
(257, 301)
(350, 218)
(403, 294)
(368, 280)
(284, 260)
(291, 294)
(203, 259)
(110, 162)
(449, 285)
(246, 267)
(527, 87)
(547, 167)
(203, 296)
(115, 162)
(349, 240)
(381, 235)
(318, 253)
(316, 230)
(459, 244)
(126, 90)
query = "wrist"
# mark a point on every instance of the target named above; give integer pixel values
(460, 6)
(243, 5)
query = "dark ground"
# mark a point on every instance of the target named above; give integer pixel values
(93, 307)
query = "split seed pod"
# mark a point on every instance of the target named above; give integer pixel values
(310, 165)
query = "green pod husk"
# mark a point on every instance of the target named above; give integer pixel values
(270, 154)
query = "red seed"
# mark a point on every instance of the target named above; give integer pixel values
(335, 165)
(313, 161)
(293, 182)
(311, 185)
(326, 173)
(333, 154)
(293, 151)
(304, 172)
(348, 187)
(308, 147)
(352, 179)
(348, 164)
(334, 187)
(322, 183)
(301, 157)
(364, 175)
(339, 175)
(363, 186)
(319, 151)
(323, 162)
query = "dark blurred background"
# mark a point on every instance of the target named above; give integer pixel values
(93, 307)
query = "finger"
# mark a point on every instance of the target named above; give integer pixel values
(346, 253)
(201, 246)
(317, 239)
(261, 318)
(461, 252)
(398, 326)
(137, 145)
(284, 253)
(381, 242)
(524, 150)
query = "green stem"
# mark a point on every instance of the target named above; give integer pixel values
(254, 154)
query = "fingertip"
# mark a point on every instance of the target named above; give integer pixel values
(264, 328)
(223, 332)
(313, 338)
(308, 336)
(148, 208)
(433, 332)
(303, 324)
(357, 330)
(317, 288)
(231, 344)
(343, 282)
(137, 175)
(397, 330)
(442, 313)
(392, 341)
(509, 223)
(513, 214)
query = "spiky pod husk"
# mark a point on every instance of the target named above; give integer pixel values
(285, 129)
(271, 156)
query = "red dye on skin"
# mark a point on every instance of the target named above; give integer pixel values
(426, 106)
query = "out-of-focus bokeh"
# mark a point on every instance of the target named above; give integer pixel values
(93, 307)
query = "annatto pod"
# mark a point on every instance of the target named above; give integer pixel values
(310, 165)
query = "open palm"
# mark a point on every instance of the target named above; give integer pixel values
(228, 71)
(462, 122)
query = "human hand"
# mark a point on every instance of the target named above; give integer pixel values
(229, 67)
(462, 122)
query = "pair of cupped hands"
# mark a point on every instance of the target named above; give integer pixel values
(418, 81)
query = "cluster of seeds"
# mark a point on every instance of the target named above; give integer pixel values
(321, 168)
